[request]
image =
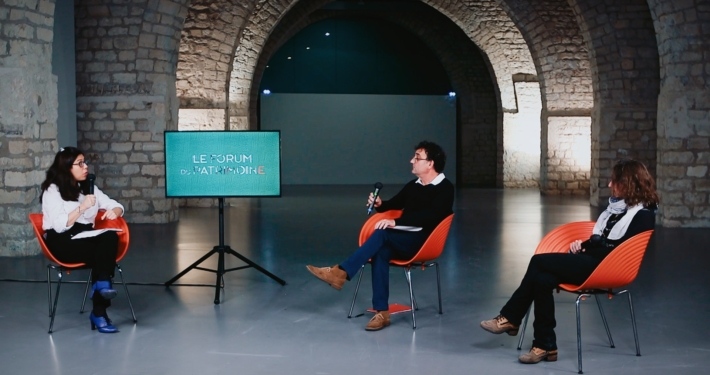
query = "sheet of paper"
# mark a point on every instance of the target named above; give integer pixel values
(94, 233)
(407, 228)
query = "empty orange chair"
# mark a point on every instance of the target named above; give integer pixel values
(432, 249)
(123, 242)
(618, 269)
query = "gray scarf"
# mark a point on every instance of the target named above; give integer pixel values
(616, 206)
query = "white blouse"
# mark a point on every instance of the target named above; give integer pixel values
(56, 210)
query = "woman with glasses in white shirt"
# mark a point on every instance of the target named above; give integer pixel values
(69, 209)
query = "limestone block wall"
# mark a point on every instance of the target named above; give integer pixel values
(568, 155)
(207, 48)
(521, 139)
(28, 117)
(126, 57)
(624, 63)
(683, 32)
(562, 63)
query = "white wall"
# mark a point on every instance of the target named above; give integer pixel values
(357, 139)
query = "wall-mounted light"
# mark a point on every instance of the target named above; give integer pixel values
(289, 57)
(267, 92)
(308, 47)
(327, 34)
(452, 94)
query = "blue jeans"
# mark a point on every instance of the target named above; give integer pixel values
(381, 247)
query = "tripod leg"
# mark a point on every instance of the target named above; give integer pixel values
(258, 267)
(190, 267)
(220, 273)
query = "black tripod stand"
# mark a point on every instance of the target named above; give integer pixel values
(221, 250)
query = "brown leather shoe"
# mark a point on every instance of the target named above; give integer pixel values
(332, 275)
(379, 321)
(500, 324)
(536, 355)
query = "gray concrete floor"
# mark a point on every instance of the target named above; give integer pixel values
(262, 327)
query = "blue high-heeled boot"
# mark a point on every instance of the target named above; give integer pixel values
(101, 323)
(104, 289)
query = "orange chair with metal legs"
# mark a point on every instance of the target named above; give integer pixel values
(123, 242)
(618, 269)
(425, 258)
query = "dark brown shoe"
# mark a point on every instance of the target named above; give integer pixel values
(536, 355)
(379, 321)
(332, 275)
(499, 325)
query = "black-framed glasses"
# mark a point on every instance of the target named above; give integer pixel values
(82, 163)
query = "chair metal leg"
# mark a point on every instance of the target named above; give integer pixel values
(128, 296)
(413, 298)
(438, 285)
(408, 275)
(633, 324)
(606, 325)
(522, 328)
(49, 290)
(86, 292)
(579, 333)
(357, 288)
(56, 299)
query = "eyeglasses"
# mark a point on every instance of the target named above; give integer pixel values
(82, 164)
(418, 159)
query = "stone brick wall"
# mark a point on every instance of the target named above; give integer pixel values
(521, 139)
(260, 25)
(28, 117)
(683, 32)
(624, 63)
(126, 56)
(562, 62)
(207, 48)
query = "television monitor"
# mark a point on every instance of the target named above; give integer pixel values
(222, 164)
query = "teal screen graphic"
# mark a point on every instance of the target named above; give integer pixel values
(222, 163)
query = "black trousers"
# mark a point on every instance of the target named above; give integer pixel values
(545, 272)
(99, 253)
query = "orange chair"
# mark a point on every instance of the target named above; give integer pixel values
(618, 269)
(431, 250)
(123, 242)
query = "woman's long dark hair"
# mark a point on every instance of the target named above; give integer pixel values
(634, 183)
(60, 174)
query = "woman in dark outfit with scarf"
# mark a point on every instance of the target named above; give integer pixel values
(69, 209)
(631, 211)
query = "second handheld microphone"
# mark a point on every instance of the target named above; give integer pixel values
(375, 194)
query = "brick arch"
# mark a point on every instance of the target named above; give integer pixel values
(492, 30)
(484, 22)
(208, 44)
(255, 35)
(468, 71)
(562, 63)
(623, 54)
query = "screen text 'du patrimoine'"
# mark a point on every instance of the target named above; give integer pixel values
(209, 164)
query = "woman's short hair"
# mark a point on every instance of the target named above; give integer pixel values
(634, 183)
(59, 173)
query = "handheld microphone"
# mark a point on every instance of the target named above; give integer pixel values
(378, 187)
(91, 178)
